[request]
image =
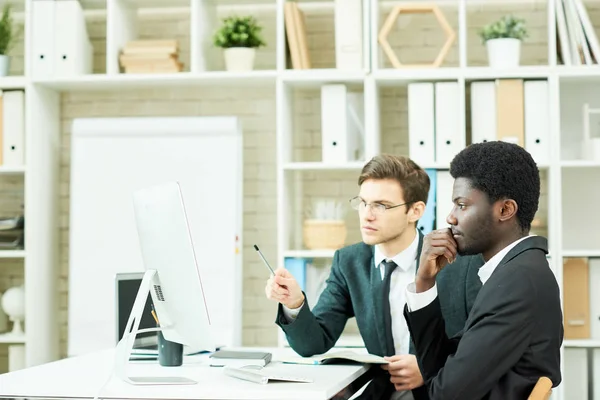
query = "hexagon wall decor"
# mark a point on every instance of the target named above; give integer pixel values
(416, 8)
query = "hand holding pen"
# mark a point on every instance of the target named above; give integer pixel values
(282, 286)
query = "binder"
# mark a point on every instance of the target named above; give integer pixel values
(449, 140)
(576, 298)
(510, 109)
(297, 267)
(13, 128)
(73, 52)
(43, 22)
(421, 122)
(348, 34)
(594, 299)
(537, 117)
(483, 112)
(443, 201)
(342, 124)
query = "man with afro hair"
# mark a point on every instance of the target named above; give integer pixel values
(514, 331)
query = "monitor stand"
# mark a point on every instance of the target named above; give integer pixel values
(125, 346)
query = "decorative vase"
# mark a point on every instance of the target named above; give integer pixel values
(503, 52)
(239, 59)
(13, 303)
(4, 65)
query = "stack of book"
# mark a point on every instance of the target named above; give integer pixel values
(150, 56)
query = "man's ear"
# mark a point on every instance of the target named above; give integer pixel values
(416, 211)
(508, 210)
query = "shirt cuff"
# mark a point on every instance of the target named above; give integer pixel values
(290, 314)
(415, 301)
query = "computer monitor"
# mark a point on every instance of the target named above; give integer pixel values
(126, 289)
(166, 247)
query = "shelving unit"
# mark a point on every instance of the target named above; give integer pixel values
(383, 85)
(301, 175)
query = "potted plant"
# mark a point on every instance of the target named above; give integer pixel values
(7, 35)
(503, 41)
(239, 37)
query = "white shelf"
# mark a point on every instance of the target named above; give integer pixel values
(12, 253)
(4, 170)
(325, 253)
(582, 343)
(8, 338)
(580, 73)
(12, 82)
(523, 72)
(127, 81)
(390, 76)
(394, 77)
(581, 253)
(319, 166)
(580, 164)
(318, 77)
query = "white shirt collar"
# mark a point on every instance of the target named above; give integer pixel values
(489, 267)
(404, 259)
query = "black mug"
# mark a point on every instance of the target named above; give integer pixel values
(170, 354)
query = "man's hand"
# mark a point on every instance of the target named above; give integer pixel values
(283, 288)
(439, 249)
(404, 371)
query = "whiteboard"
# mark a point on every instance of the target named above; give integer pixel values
(113, 157)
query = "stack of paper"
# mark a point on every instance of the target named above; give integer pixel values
(151, 56)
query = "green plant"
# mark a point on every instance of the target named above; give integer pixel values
(7, 33)
(506, 27)
(239, 32)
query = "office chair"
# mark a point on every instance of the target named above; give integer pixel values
(541, 390)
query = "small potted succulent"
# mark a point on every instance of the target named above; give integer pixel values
(239, 37)
(503, 41)
(7, 37)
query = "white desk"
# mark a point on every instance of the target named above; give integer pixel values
(82, 377)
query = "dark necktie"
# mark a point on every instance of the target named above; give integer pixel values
(390, 266)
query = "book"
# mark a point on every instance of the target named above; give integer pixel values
(336, 358)
(263, 377)
(232, 358)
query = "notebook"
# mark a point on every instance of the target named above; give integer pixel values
(232, 358)
(254, 374)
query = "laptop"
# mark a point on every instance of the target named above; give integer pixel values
(126, 289)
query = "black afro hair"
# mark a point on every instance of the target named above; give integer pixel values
(503, 171)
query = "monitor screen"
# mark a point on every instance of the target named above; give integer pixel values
(127, 287)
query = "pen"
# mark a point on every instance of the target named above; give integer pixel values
(154, 314)
(264, 259)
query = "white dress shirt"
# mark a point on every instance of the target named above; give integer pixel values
(400, 278)
(415, 301)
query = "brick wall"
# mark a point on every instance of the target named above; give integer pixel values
(418, 38)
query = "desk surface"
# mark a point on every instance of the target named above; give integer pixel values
(87, 376)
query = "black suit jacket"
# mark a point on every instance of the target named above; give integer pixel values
(350, 293)
(511, 338)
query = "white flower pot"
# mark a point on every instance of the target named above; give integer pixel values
(239, 58)
(4, 65)
(504, 52)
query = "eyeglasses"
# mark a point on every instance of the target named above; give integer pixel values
(376, 208)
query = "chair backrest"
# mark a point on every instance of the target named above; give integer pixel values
(541, 390)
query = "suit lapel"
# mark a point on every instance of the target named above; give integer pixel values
(472, 281)
(419, 248)
(411, 347)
